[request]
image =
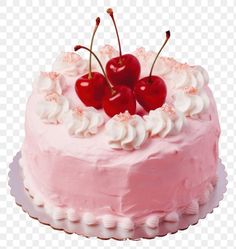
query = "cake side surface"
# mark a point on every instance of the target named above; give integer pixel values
(164, 176)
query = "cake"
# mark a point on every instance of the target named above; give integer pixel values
(89, 163)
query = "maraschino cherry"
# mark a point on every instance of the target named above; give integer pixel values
(119, 100)
(92, 86)
(124, 69)
(116, 99)
(151, 91)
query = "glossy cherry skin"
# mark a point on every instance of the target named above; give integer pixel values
(150, 92)
(91, 91)
(120, 100)
(126, 72)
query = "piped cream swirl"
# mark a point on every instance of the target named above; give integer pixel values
(125, 131)
(50, 82)
(183, 75)
(191, 101)
(164, 121)
(162, 66)
(83, 122)
(70, 64)
(52, 108)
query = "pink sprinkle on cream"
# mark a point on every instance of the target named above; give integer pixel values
(123, 117)
(107, 49)
(52, 75)
(78, 110)
(170, 61)
(169, 110)
(71, 58)
(181, 66)
(190, 90)
(140, 52)
(52, 97)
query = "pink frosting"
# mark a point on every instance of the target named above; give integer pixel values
(165, 175)
(86, 174)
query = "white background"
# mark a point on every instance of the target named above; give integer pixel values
(32, 33)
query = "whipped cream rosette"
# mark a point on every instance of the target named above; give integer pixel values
(70, 64)
(49, 82)
(125, 131)
(164, 121)
(184, 75)
(52, 108)
(191, 101)
(83, 122)
(162, 66)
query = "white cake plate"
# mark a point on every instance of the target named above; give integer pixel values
(23, 199)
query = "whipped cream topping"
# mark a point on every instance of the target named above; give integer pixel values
(50, 82)
(162, 66)
(183, 75)
(125, 131)
(52, 108)
(191, 101)
(104, 54)
(83, 122)
(185, 94)
(164, 121)
(70, 64)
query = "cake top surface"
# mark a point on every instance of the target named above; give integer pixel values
(188, 105)
(130, 98)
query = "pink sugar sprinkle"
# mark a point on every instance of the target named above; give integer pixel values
(142, 54)
(107, 50)
(169, 110)
(52, 75)
(71, 58)
(190, 90)
(181, 66)
(52, 97)
(170, 61)
(78, 110)
(123, 117)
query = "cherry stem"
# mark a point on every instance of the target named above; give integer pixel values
(91, 47)
(77, 47)
(167, 38)
(110, 12)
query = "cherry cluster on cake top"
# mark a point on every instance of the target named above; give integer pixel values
(120, 86)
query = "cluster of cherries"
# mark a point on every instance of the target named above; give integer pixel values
(117, 89)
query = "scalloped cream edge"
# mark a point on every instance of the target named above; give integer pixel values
(108, 221)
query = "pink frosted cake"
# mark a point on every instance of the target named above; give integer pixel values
(145, 165)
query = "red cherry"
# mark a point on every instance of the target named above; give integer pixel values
(121, 99)
(150, 94)
(92, 87)
(124, 69)
(151, 91)
(92, 90)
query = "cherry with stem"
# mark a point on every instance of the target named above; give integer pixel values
(92, 86)
(151, 90)
(117, 99)
(78, 47)
(124, 69)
